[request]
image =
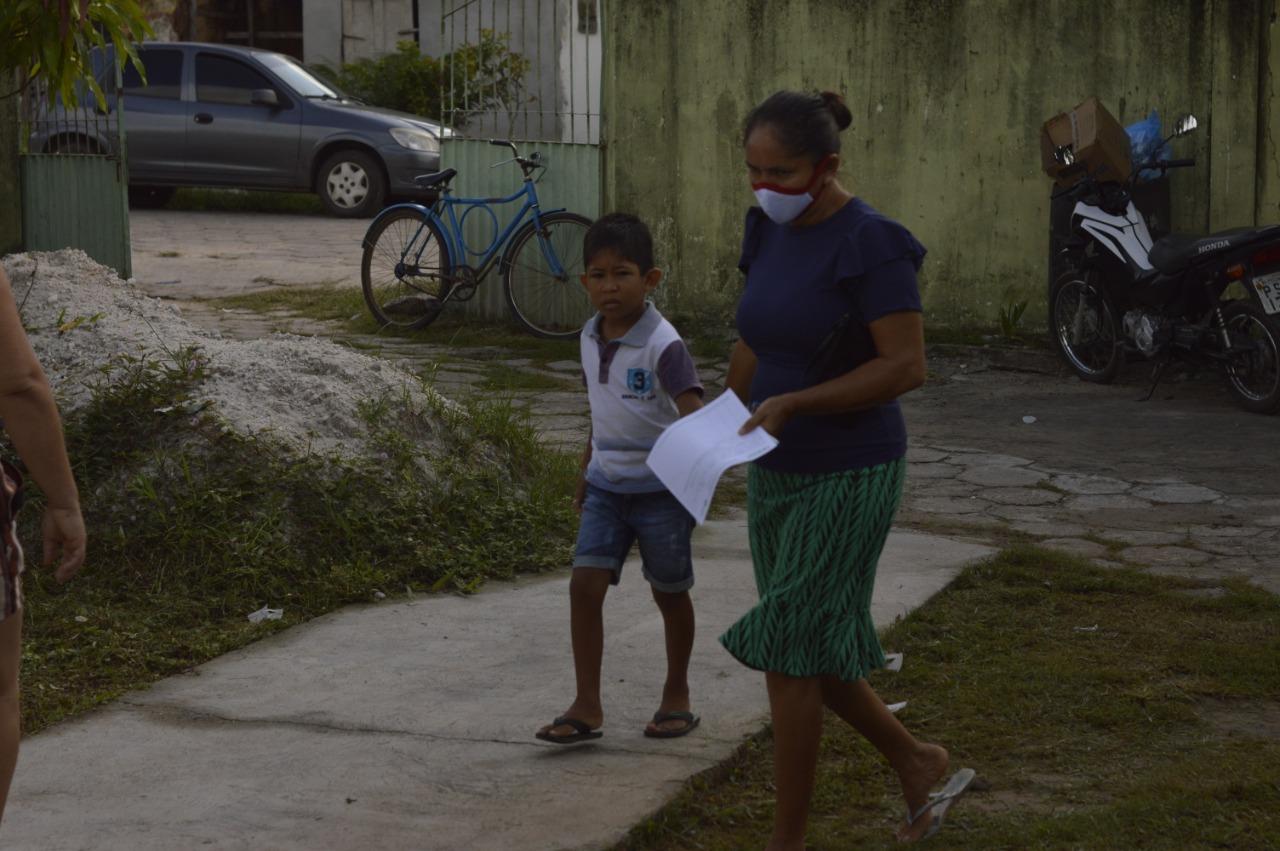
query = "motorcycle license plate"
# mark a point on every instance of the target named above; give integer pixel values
(1268, 289)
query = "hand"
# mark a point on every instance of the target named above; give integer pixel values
(772, 415)
(579, 494)
(64, 530)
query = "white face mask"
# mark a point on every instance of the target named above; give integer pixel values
(787, 205)
(783, 206)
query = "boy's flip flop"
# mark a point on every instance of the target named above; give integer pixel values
(940, 802)
(584, 732)
(690, 722)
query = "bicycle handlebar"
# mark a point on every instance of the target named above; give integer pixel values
(527, 164)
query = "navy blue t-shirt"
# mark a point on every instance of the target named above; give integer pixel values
(800, 282)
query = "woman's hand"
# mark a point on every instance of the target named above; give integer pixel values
(64, 535)
(772, 415)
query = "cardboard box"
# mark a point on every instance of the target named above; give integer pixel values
(1101, 145)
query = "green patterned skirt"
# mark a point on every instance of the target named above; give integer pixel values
(815, 542)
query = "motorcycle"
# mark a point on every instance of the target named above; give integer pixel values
(1173, 299)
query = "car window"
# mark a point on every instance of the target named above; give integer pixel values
(302, 81)
(164, 74)
(223, 80)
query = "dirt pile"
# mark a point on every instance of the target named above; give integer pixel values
(304, 391)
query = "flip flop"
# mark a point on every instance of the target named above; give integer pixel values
(690, 722)
(940, 802)
(584, 732)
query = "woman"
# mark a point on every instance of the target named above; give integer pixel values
(31, 420)
(832, 335)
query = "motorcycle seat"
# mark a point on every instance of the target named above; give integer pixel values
(1177, 251)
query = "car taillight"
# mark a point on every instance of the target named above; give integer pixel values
(1268, 256)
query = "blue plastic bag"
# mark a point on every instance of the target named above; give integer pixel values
(1145, 139)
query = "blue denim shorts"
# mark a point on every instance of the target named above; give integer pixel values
(612, 522)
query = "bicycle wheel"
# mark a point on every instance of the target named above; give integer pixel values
(404, 270)
(547, 304)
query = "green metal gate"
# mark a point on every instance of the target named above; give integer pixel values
(74, 178)
(553, 108)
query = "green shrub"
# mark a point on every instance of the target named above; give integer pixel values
(473, 78)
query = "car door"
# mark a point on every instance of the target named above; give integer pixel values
(155, 118)
(233, 140)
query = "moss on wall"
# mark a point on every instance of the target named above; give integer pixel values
(948, 97)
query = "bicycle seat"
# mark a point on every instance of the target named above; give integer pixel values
(435, 178)
(1177, 251)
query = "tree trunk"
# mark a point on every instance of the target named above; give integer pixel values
(10, 176)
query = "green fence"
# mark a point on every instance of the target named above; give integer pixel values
(571, 181)
(77, 201)
(74, 178)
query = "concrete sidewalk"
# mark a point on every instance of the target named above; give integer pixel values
(410, 725)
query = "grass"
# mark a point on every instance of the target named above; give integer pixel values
(192, 527)
(502, 378)
(345, 305)
(1111, 737)
(236, 200)
(341, 304)
(327, 302)
(730, 496)
(709, 342)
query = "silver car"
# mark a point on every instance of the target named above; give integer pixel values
(226, 116)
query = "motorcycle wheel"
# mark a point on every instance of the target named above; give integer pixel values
(1084, 326)
(1253, 364)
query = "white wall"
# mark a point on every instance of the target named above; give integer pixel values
(338, 31)
(322, 32)
(545, 33)
(579, 70)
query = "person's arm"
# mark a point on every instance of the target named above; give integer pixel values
(32, 422)
(580, 491)
(688, 402)
(897, 368)
(742, 369)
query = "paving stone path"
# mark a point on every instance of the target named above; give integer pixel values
(1164, 525)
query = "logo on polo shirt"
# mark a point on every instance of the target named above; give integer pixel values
(639, 380)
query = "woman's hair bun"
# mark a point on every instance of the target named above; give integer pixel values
(835, 103)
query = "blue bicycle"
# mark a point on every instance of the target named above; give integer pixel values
(416, 257)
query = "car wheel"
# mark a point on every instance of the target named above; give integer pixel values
(351, 184)
(149, 197)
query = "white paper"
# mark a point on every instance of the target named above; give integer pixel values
(266, 614)
(893, 662)
(691, 455)
(895, 708)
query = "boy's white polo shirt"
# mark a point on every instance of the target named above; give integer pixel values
(632, 383)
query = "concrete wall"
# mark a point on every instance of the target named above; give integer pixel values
(338, 31)
(1268, 195)
(948, 97)
(322, 32)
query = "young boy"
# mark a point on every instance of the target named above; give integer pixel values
(640, 379)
